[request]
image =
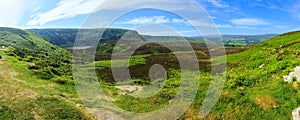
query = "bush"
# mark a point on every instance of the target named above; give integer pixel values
(44, 73)
(59, 80)
(11, 51)
(29, 59)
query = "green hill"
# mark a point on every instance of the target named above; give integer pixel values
(67, 37)
(49, 60)
(35, 79)
(255, 88)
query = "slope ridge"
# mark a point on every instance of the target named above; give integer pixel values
(255, 88)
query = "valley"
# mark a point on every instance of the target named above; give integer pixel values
(37, 75)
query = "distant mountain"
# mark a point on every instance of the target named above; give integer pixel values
(172, 38)
(241, 40)
(66, 37)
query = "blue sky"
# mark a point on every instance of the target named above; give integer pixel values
(229, 16)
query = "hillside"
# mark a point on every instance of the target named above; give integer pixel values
(242, 40)
(33, 79)
(49, 60)
(255, 88)
(67, 37)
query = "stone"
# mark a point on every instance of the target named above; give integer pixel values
(79, 105)
(288, 79)
(261, 66)
(297, 73)
(296, 115)
(292, 74)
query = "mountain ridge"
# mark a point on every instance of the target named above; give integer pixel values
(66, 37)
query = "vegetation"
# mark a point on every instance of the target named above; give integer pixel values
(37, 81)
(48, 60)
(67, 37)
(243, 40)
(254, 88)
(26, 96)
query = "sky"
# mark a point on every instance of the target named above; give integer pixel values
(235, 17)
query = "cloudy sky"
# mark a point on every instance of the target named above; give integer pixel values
(229, 16)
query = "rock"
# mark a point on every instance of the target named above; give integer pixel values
(292, 74)
(296, 115)
(261, 66)
(79, 105)
(108, 117)
(297, 73)
(288, 79)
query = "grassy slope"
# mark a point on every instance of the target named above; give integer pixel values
(255, 88)
(49, 61)
(23, 96)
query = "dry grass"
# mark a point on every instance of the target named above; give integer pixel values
(266, 102)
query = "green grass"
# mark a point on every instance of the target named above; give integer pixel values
(133, 60)
(24, 96)
(254, 88)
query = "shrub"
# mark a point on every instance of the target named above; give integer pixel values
(59, 80)
(11, 51)
(44, 73)
(28, 59)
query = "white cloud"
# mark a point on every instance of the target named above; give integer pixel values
(72, 8)
(11, 12)
(65, 9)
(201, 23)
(218, 3)
(224, 26)
(179, 21)
(165, 20)
(37, 9)
(155, 20)
(282, 27)
(149, 20)
(248, 22)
